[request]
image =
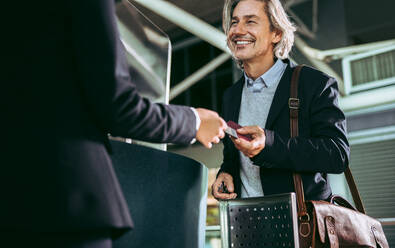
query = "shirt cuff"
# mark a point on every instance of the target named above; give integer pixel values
(198, 121)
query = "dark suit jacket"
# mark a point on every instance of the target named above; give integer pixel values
(65, 87)
(321, 147)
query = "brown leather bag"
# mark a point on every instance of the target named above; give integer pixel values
(326, 224)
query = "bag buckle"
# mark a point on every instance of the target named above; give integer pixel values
(293, 103)
(304, 227)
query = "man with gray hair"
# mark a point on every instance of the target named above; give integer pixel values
(260, 36)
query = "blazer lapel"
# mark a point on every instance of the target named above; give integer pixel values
(236, 94)
(281, 96)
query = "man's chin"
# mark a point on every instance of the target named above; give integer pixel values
(242, 57)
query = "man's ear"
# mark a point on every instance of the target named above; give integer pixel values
(278, 34)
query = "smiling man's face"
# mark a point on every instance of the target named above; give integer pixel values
(250, 38)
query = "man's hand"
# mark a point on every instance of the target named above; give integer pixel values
(212, 127)
(253, 147)
(223, 187)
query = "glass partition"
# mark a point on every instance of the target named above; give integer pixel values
(148, 52)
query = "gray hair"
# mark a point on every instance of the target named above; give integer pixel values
(278, 21)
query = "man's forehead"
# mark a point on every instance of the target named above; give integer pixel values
(248, 9)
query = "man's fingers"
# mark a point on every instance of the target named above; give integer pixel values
(243, 144)
(225, 196)
(229, 186)
(248, 130)
(222, 195)
(232, 196)
(216, 184)
(249, 148)
(224, 182)
(255, 144)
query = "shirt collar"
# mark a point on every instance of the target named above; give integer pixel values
(269, 77)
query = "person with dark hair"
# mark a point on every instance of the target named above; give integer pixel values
(260, 36)
(66, 86)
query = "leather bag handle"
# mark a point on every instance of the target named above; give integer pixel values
(294, 104)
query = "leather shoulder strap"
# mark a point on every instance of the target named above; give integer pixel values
(354, 191)
(294, 103)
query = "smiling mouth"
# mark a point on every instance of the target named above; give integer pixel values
(242, 43)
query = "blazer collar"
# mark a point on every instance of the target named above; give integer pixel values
(237, 92)
(281, 96)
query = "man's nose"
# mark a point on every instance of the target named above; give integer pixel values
(239, 29)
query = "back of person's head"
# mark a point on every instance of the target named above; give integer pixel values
(278, 21)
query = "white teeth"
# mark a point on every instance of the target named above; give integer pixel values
(243, 42)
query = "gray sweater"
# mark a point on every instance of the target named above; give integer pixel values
(255, 104)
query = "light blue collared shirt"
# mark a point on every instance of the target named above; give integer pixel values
(267, 79)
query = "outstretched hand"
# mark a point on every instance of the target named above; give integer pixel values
(212, 127)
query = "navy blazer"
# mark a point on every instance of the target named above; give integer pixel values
(320, 148)
(65, 86)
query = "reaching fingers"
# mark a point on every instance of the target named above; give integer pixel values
(208, 145)
(211, 128)
(223, 124)
(221, 134)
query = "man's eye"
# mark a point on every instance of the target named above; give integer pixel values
(233, 23)
(251, 22)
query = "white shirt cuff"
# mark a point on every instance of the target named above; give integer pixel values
(198, 121)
